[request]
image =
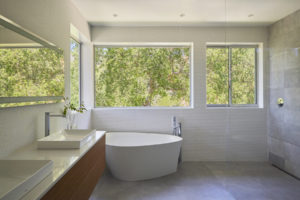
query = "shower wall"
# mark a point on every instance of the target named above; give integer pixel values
(284, 121)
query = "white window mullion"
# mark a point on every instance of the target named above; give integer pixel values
(229, 77)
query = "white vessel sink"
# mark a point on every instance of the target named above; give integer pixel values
(66, 139)
(17, 177)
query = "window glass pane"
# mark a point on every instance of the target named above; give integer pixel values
(74, 73)
(243, 75)
(217, 75)
(142, 76)
(31, 72)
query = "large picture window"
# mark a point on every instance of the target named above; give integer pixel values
(142, 76)
(231, 75)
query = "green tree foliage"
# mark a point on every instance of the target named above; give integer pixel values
(74, 72)
(134, 76)
(138, 76)
(242, 75)
(31, 72)
(217, 75)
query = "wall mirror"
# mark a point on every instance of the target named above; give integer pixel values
(31, 68)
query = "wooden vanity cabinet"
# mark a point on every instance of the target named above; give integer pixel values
(80, 180)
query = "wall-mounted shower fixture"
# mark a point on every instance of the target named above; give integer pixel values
(280, 102)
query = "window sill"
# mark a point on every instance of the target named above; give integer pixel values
(234, 107)
(144, 108)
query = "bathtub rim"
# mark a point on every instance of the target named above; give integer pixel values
(180, 139)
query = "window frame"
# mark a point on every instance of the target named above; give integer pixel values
(79, 72)
(255, 105)
(189, 45)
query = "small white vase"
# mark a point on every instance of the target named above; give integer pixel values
(70, 116)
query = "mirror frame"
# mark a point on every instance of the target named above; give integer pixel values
(9, 24)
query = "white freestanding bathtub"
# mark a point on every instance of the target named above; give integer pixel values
(139, 156)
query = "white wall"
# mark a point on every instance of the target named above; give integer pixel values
(51, 20)
(210, 134)
(11, 37)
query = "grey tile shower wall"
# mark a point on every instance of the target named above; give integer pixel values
(284, 126)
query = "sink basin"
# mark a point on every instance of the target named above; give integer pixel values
(66, 139)
(17, 177)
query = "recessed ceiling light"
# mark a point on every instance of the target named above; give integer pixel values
(182, 15)
(115, 15)
(250, 15)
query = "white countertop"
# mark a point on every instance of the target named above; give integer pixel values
(63, 161)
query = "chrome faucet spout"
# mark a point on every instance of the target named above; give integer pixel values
(47, 121)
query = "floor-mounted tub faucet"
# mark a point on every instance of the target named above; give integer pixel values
(47, 121)
(176, 127)
(177, 132)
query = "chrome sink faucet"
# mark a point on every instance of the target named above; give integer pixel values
(47, 121)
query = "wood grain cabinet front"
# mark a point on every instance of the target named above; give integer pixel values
(80, 180)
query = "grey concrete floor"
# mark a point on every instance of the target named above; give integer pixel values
(206, 181)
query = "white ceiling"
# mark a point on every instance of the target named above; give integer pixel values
(196, 12)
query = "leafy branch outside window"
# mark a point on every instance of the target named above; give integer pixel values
(70, 106)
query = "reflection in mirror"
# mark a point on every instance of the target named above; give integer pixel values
(31, 69)
(75, 72)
